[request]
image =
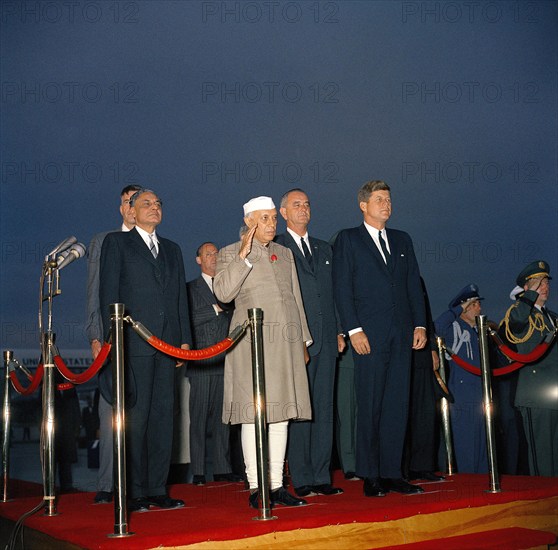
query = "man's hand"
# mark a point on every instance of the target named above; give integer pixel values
(95, 348)
(246, 243)
(341, 344)
(360, 343)
(306, 355)
(534, 284)
(419, 338)
(180, 363)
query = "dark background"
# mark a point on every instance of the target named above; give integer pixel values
(454, 104)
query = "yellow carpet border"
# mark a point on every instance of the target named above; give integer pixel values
(530, 514)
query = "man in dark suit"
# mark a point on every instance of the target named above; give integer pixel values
(311, 441)
(210, 324)
(146, 273)
(94, 330)
(379, 299)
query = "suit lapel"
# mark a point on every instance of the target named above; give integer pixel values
(204, 291)
(371, 245)
(160, 264)
(315, 249)
(394, 249)
(291, 243)
(141, 247)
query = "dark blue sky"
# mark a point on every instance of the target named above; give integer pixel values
(211, 103)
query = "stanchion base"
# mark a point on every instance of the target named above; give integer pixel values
(493, 491)
(261, 518)
(119, 535)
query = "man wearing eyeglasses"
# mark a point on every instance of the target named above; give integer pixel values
(145, 272)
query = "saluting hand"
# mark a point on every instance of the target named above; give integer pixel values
(246, 243)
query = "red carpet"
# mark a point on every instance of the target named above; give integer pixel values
(220, 512)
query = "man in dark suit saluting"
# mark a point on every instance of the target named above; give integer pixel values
(379, 298)
(146, 273)
(311, 441)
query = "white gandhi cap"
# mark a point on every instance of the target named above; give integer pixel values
(258, 203)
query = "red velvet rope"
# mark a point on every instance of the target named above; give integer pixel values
(187, 354)
(530, 357)
(476, 370)
(86, 375)
(191, 354)
(35, 381)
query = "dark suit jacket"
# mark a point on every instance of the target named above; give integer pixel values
(207, 328)
(367, 293)
(316, 287)
(153, 291)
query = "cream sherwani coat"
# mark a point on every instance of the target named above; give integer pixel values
(272, 285)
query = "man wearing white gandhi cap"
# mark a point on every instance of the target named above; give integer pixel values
(258, 273)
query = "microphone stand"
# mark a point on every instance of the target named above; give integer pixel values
(50, 272)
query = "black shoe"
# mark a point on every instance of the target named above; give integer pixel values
(281, 496)
(373, 487)
(398, 485)
(253, 500)
(325, 489)
(350, 475)
(164, 501)
(428, 476)
(231, 478)
(304, 491)
(103, 497)
(198, 480)
(139, 504)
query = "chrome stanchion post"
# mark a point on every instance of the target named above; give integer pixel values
(48, 426)
(6, 426)
(255, 316)
(446, 424)
(482, 329)
(118, 422)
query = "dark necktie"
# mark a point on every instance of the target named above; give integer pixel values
(383, 246)
(306, 252)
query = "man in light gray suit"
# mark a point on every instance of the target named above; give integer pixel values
(94, 331)
(258, 273)
(210, 324)
(311, 442)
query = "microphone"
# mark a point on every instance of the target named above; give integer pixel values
(77, 251)
(64, 245)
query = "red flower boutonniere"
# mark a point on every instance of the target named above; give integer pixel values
(273, 258)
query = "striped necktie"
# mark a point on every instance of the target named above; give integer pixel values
(152, 247)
